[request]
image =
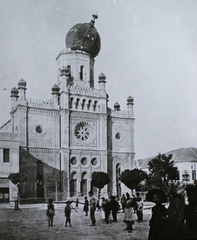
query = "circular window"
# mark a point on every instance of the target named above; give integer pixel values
(39, 129)
(82, 131)
(83, 161)
(118, 136)
(73, 161)
(94, 161)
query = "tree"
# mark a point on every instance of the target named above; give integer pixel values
(134, 178)
(161, 170)
(18, 179)
(99, 180)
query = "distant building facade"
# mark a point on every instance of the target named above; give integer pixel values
(185, 160)
(59, 143)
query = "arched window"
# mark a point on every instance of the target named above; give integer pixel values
(81, 72)
(118, 187)
(95, 106)
(84, 183)
(73, 184)
(69, 70)
(89, 104)
(71, 103)
(39, 179)
(83, 104)
(77, 103)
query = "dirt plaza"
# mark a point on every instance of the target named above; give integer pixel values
(31, 224)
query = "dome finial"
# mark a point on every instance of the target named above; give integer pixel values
(95, 16)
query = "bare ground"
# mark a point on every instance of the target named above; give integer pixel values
(31, 224)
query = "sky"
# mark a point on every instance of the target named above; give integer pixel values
(148, 51)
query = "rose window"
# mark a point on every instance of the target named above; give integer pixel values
(82, 131)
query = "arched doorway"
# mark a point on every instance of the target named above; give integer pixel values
(93, 189)
(73, 184)
(39, 180)
(84, 183)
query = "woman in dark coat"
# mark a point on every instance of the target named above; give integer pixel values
(158, 213)
(191, 212)
(86, 206)
(174, 221)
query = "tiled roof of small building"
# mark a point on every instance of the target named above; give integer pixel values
(178, 155)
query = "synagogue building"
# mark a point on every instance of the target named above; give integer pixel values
(59, 143)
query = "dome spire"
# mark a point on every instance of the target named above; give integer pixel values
(95, 16)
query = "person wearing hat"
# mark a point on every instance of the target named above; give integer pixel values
(92, 211)
(174, 226)
(50, 212)
(67, 212)
(156, 196)
(129, 214)
(86, 206)
(191, 212)
(114, 206)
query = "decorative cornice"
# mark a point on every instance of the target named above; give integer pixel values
(41, 150)
(84, 114)
(43, 111)
(9, 136)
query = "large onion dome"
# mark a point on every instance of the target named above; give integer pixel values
(84, 37)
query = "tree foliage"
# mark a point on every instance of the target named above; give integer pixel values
(18, 178)
(161, 170)
(133, 179)
(99, 180)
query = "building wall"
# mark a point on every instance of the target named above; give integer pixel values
(11, 142)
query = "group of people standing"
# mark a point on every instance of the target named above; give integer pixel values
(106, 206)
(178, 221)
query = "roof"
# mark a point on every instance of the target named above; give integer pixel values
(178, 155)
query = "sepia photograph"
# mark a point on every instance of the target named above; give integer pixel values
(98, 119)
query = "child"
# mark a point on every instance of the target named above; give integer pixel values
(50, 212)
(139, 210)
(67, 212)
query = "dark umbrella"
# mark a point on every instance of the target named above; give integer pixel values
(159, 192)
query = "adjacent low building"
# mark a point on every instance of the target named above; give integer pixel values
(185, 160)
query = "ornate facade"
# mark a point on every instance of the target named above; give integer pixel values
(61, 142)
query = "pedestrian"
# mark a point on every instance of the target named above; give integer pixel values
(175, 215)
(114, 206)
(67, 212)
(106, 208)
(129, 215)
(191, 212)
(123, 202)
(16, 207)
(77, 203)
(102, 208)
(92, 211)
(86, 206)
(156, 222)
(140, 205)
(50, 212)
